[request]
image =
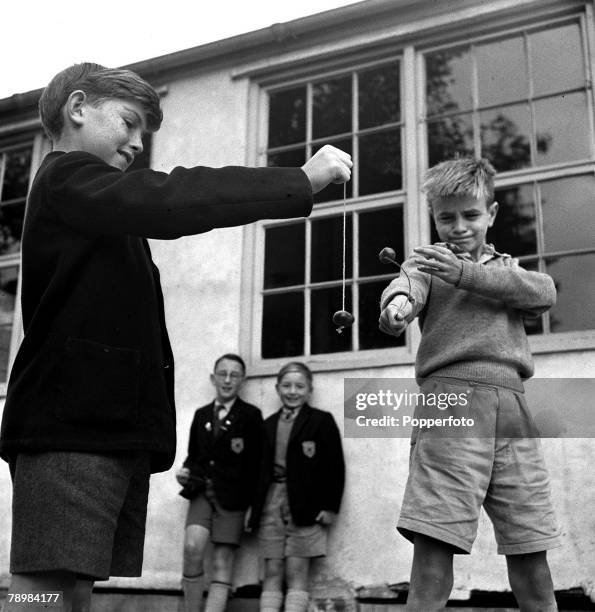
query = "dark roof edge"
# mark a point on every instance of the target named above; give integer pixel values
(273, 34)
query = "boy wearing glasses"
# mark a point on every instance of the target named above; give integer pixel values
(219, 477)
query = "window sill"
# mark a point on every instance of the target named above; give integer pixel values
(405, 356)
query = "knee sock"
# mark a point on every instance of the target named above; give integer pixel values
(296, 601)
(217, 598)
(270, 601)
(193, 586)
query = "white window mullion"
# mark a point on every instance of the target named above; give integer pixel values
(307, 289)
(355, 277)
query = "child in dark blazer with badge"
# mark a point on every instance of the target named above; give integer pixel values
(300, 491)
(219, 478)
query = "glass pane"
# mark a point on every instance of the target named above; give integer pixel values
(327, 249)
(370, 337)
(283, 325)
(380, 162)
(11, 227)
(16, 174)
(284, 249)
(295, 158)
(332, 191)
(562, 129)
(514, 231)
(506, 137)
(324, 335)
(557, 60)
(379, 229)
(532, 326)
(8, 290)
(568, 213)
(287, 116)
(502, 71)
(378, 93)
(448, 81)
(331, 107)
(575, 281)
(448, 137)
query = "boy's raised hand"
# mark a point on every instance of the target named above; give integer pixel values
(393, 319)
(439, 261)
(328, 165)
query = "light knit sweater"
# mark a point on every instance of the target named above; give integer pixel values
(474, 330)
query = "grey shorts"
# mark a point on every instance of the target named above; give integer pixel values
(80, 512)
(502, 469)
(225, 526)
(279, 537)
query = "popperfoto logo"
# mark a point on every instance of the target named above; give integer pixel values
(393, 407)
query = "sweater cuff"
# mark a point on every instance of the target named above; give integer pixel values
(467, 275)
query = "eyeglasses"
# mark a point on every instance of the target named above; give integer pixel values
(233, 376)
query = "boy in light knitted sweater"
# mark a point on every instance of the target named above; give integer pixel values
(471, 307)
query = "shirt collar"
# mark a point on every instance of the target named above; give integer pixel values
(487, 252)
(226, 405)
(287, 414)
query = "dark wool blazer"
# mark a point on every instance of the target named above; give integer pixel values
(95, 370)
(232, 458)
(315, 466)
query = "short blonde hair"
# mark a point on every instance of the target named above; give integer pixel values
(295, 366)
(465, 176)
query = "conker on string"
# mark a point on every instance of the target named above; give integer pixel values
(343, 319)
(387, 255)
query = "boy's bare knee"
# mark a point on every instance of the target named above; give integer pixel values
(531, 581)
(223, 556)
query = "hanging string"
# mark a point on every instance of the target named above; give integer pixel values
(344, 239)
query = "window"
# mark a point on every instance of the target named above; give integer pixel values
(360, 112)
(15, 168)
(520, 96)
(524, 101)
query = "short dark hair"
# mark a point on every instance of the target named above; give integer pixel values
(99, 83)
(233, 357)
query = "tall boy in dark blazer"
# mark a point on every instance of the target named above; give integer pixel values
(89, 411)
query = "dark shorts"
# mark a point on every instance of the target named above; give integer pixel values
(225, 526)
(79, 512)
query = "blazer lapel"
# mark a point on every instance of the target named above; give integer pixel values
(300, 421)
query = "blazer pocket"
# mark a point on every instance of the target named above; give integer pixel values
(99, 385)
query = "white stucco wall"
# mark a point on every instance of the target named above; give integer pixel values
(206, 123)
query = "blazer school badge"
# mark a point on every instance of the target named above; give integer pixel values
(309, 448)
(237, 445)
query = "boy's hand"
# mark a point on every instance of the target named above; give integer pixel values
(439, 261)
(328, 165)
(326, 517)
(393, 318)
(183, 475)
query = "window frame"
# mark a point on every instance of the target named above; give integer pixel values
(416, 223)
(40, 146)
